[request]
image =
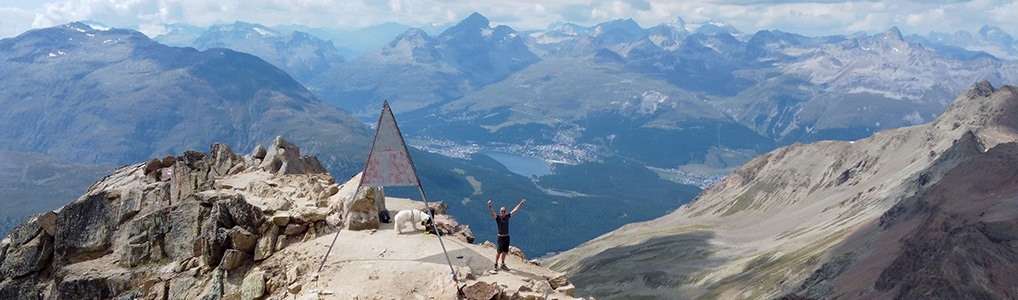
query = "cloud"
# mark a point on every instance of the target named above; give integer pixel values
(14, 21)
(811, 17)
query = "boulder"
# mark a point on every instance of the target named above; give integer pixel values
(480, 291)
(258, 152)
(266, 244)
(242, 239)
(189, 176)
(27, 258)
(152, 166)
(289, 159)
(237, 169)
(294, 288)
(214, 243)
(184, 231)
(281, 242)
(292, 275)
(147, 237)
(85, 229)
(223, 159)
(24, 232)
(228, 211)
(310, 214)
(295, 229)
(362, 212)
(233, 259)
(281, 219)
(558, 280)
(567, 289)
(130, 205)
(237, 212)
(253, 286)
(272, 164)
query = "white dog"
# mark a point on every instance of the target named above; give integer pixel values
(411, 216)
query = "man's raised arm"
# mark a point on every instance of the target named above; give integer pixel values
(492, 211)
(518, 207)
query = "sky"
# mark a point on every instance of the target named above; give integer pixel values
(817, 17)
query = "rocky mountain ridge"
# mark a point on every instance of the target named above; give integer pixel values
(824, 220)
(221, 225)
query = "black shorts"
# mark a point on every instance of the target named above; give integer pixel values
(503, 244)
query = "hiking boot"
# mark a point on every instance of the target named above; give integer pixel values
(504, 267)
(496, 266)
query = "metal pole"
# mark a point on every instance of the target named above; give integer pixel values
(339, 227)
(438, 232)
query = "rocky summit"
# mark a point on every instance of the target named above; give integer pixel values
(922, 212)
(222, 225)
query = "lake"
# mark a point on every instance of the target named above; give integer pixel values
(523, 165)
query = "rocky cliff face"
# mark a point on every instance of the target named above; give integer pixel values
(872, 219)
(221, 225)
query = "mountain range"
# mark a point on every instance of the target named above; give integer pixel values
(924, 211)
(762, 90)
(302, 55)
(606, 101)
(708, 84)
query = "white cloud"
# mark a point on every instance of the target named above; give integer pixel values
(811, 17)
(14, 21)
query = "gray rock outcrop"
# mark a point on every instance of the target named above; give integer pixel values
(363, 213)
(171, 212)
(284, 158)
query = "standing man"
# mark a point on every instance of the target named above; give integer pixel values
(502, 219)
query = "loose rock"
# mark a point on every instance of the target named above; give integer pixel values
(480, 291)
(253, 286)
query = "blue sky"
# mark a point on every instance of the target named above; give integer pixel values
(818, 17)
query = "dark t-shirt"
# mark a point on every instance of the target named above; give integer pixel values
(503, 223)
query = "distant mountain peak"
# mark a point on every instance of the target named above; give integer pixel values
(475, 20)
(246, 28)
(473, 24)
(995, 33)
(413, 35)
(78, 26)
(677, 23)
(716, 27)
(893, 33)
(625, 24)
(570, 28)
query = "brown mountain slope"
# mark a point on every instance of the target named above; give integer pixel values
(955, 240)
(787, 215)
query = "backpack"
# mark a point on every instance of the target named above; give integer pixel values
(383, 216)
